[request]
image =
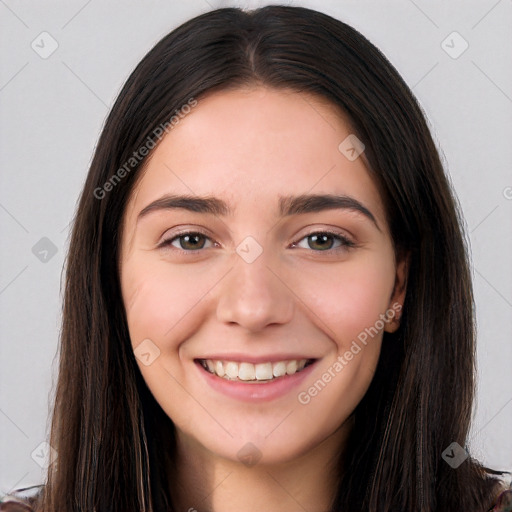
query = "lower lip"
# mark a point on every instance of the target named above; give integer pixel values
(256, 392)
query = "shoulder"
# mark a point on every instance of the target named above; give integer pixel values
(15, 506)
(503, 501)
(21, 500)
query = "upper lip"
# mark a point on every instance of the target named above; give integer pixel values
(243, 358)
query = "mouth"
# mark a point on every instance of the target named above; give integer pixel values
(249, 373)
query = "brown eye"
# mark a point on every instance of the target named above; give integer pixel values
(189, 241)
(322, 241)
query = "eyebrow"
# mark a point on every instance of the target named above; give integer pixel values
(288, 205)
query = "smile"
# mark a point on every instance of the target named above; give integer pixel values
(249, 372)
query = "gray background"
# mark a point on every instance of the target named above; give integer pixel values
(52, 110)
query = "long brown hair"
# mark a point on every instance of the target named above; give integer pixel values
(115, 444)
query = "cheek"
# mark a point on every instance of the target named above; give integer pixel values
(350, 297)
(347, 304)
(162, 301)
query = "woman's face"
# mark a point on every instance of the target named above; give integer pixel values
(256, 289)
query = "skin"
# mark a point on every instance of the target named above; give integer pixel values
(247, 147)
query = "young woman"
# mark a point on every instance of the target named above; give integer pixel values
(267, 289)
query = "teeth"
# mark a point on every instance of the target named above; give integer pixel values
(291, 367)
(231, 370)
(246, 371)
(279, 369)
(219, 368)
(249, 372)
(263, 371)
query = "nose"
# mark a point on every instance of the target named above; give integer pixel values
(255, 295)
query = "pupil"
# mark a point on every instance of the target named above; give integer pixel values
(321, 238)
(189, 239)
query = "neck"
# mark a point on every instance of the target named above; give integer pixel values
(206, 482)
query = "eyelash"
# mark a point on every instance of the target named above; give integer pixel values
(346, 243)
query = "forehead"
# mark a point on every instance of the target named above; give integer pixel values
(251, 145)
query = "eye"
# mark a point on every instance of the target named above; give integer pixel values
(187, 241)
(318, 241)
(323, 241)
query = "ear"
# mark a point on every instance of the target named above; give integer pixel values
(397, 299)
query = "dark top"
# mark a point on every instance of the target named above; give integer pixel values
(22, 500)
